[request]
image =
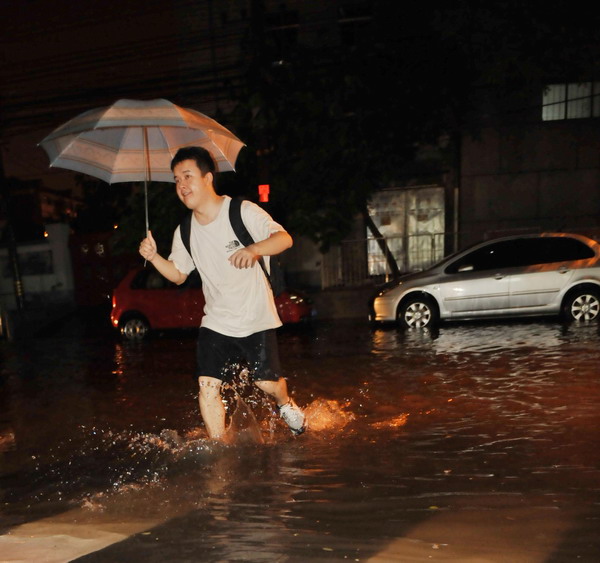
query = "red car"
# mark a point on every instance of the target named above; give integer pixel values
(144, 300)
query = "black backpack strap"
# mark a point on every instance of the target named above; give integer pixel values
(185, 229)
(240, 230)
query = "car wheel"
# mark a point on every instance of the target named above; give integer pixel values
(135, 328)
(418, 312)
(582, 305)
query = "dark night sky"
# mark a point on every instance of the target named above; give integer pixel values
(60, 58)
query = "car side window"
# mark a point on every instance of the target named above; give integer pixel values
(151, 279)
(156, 281)
(529, 251)
(139, 281)
(522, 252)
(546, 250)
(502, 254)
(566, 249)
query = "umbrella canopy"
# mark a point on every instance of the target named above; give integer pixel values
(134, 140)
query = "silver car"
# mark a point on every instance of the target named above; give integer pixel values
(526, 275)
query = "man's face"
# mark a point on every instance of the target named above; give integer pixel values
(191, 186)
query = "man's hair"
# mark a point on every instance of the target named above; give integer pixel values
(201, 156)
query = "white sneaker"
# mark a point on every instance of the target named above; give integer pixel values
(293, 416)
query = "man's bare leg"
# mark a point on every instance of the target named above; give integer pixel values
(276, 389)
(288, 410)
(211, 407)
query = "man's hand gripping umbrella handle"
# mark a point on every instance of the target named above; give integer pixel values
(148, 248)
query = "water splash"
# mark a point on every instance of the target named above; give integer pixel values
(243, 426)
(325, 415)
(7, 440)
(395, 422)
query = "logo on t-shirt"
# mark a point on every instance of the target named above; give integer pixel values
(233, 245)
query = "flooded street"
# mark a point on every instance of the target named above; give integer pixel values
(476, 443)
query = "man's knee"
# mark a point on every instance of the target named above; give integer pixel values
(271, 386)
(209, 386)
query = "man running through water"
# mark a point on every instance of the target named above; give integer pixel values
(240, 317)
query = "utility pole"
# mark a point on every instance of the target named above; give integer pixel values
(12, 243)
(256, 76)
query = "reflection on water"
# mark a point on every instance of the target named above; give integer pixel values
(419, 444)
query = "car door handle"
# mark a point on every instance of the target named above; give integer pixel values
(498, 276)
(563, 270)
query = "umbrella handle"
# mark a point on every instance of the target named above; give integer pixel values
(146, 207)
(146, 210)
(146, 175)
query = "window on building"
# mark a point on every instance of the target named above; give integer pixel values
(412, 221)
(571, 101)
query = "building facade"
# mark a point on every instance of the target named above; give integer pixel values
(536, 172)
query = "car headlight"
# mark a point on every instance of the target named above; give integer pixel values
(387, 290)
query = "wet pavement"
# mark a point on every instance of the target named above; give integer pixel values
(475, 443)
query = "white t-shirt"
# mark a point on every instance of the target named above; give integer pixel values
(239, 302)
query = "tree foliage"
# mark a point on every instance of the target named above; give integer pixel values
(327, 123)
(333, 125)
(337, 123)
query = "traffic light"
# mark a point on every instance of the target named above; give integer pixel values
(263, 192)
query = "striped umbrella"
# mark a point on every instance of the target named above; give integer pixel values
(133, 140)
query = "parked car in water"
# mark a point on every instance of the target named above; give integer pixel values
(144, 301)
(526, 275)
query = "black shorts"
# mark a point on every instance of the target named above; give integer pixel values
(222, 357)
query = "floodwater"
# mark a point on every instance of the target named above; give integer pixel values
(476, 443)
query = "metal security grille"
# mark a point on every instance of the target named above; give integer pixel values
(356, 263)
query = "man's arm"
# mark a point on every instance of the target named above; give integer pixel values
(275, 244)
(149, 252)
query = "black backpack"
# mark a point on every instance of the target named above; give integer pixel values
(275, 278)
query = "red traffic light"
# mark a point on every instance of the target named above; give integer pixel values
(263, 192)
